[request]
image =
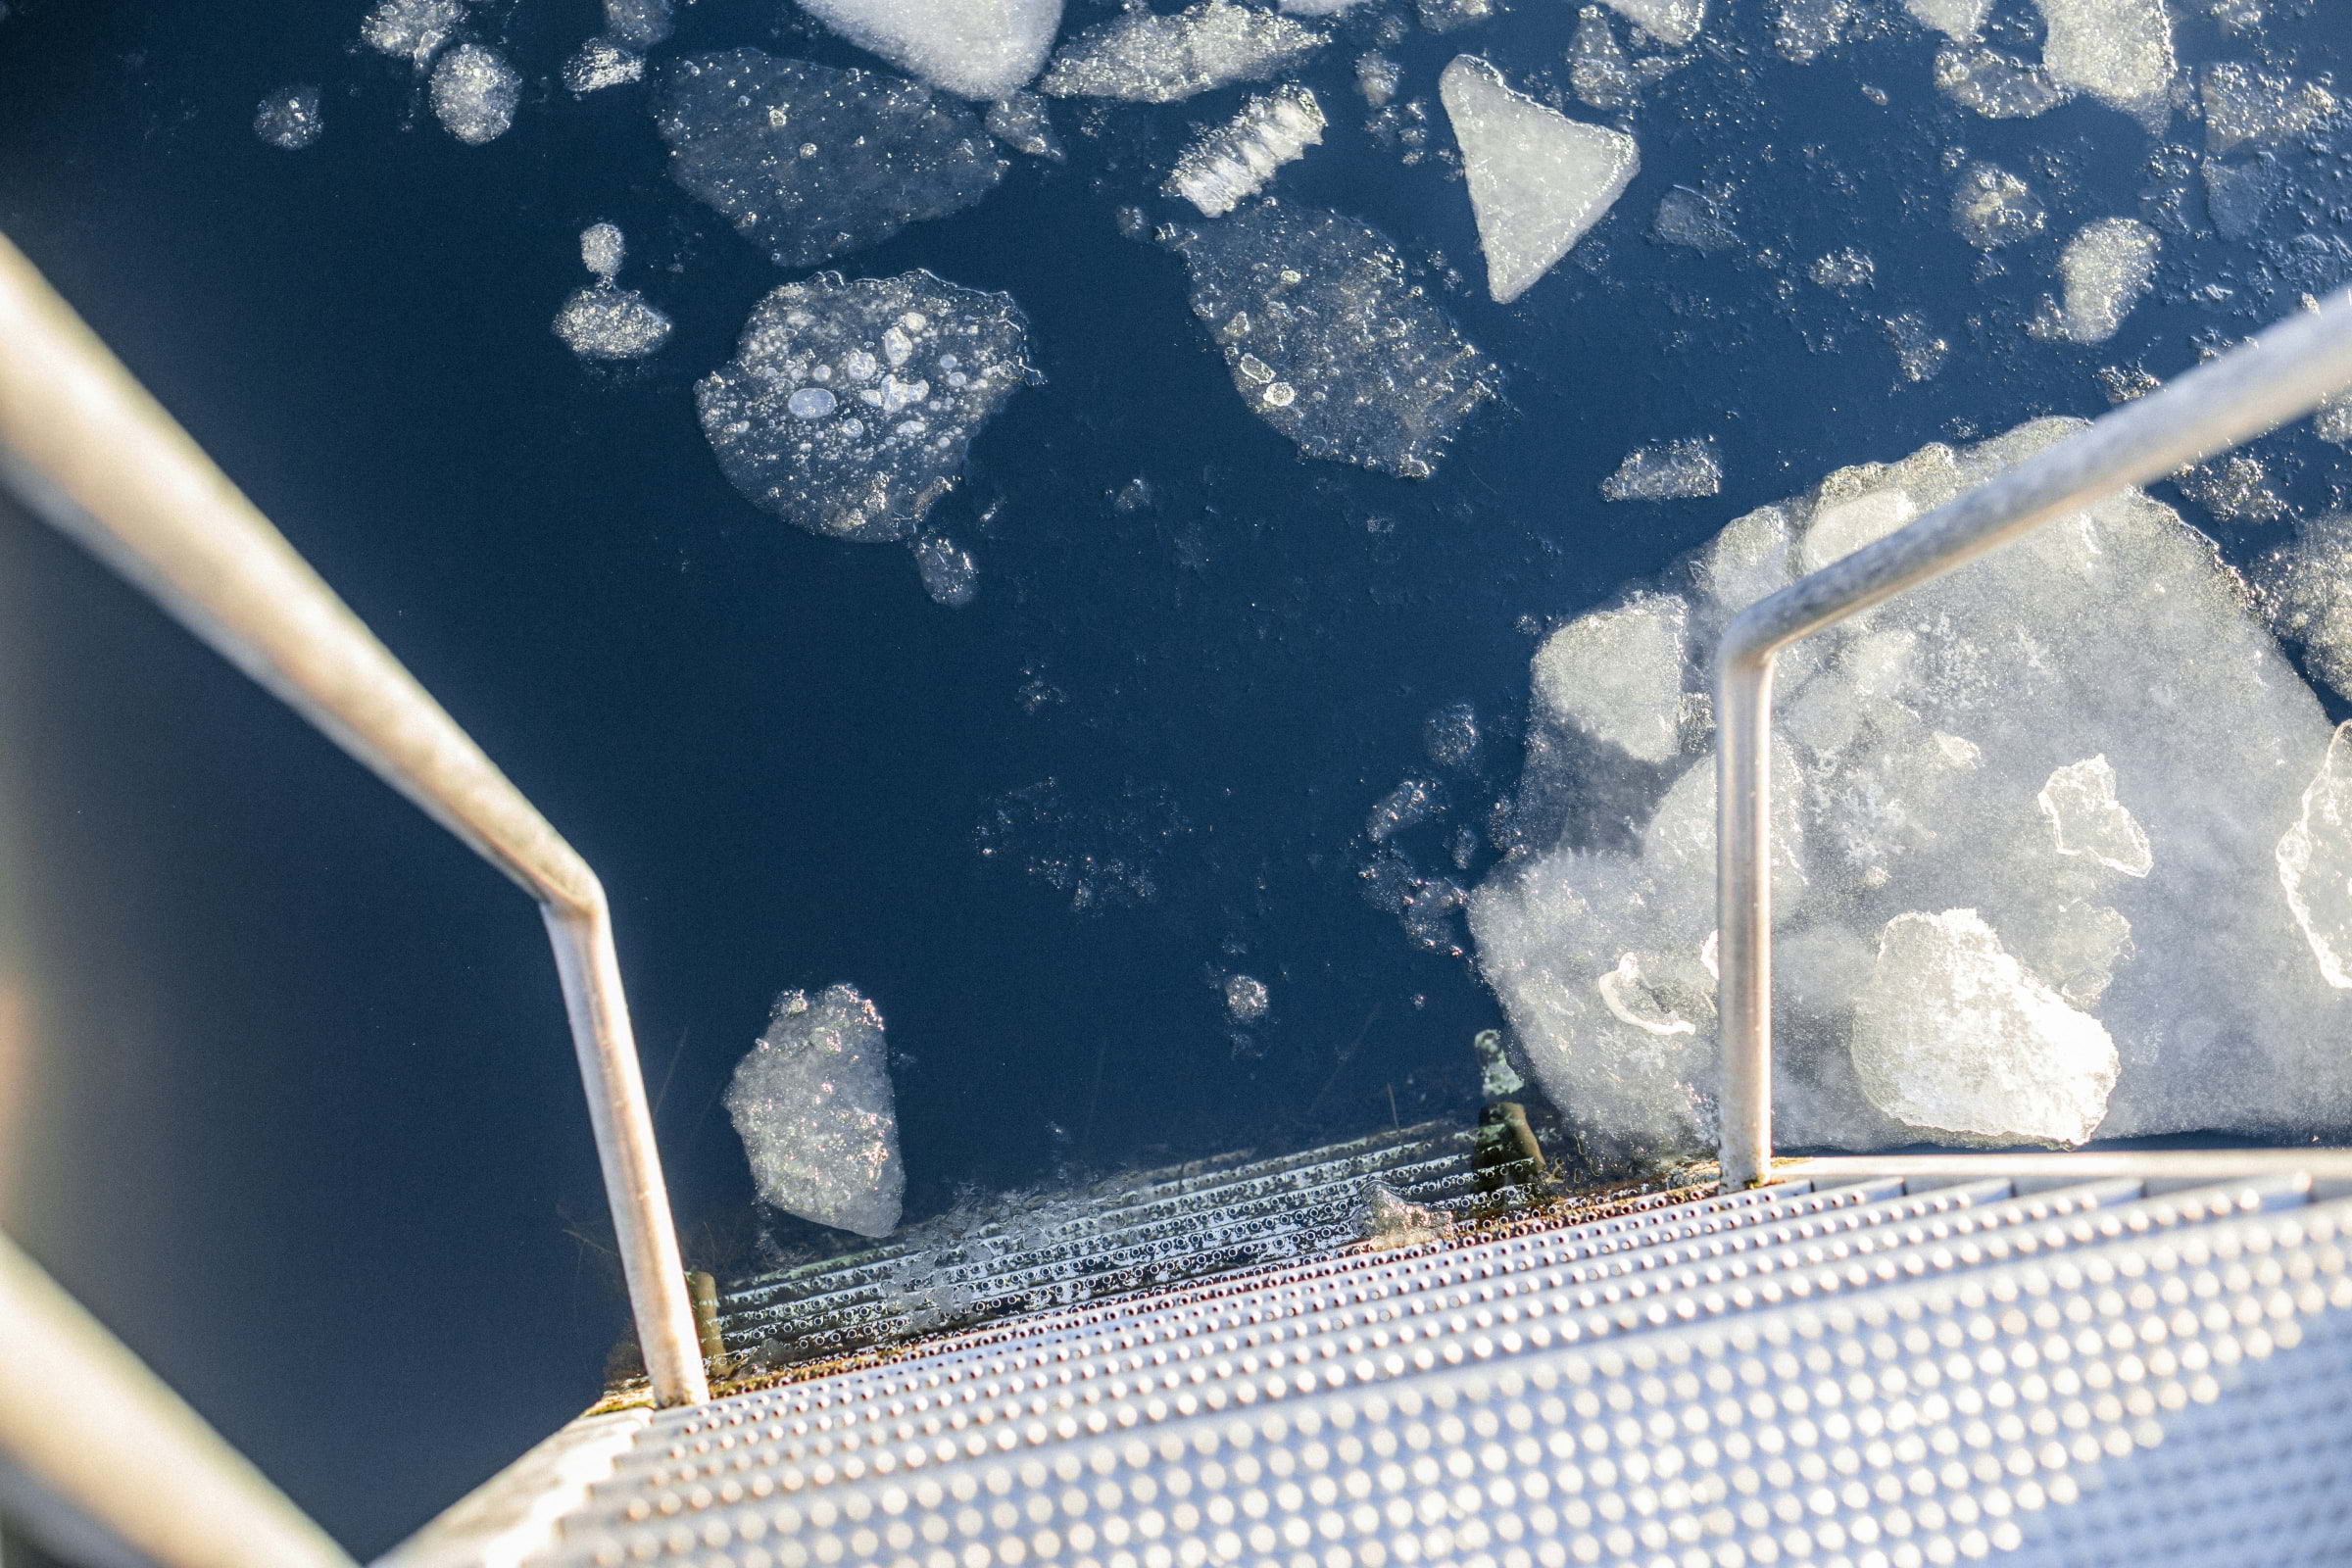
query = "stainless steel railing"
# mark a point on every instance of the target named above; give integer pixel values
(86, 447)
(2272, 379)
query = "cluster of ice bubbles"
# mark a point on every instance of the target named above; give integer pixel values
(813, 1106)
(2060, 841)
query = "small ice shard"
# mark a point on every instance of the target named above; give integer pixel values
(1246, 998)
(1686, 218)
(1450, 737)
(1617, 675)
(849, 404)
(475, 93)
(1020, 122)
(1992, 208)
(1386, 1220)
(638, 23)
(1408, 804)
(1234, 161)
(1846, 269)
(2119, 51)
(1328, 343)
(1674, 23)
(1680, 470)
(603, 249)
(1804, 30)
(813, 1104)
(946, 568)
(2108, 267)
(1146, 57)
(604, 323)
(1952, 1036)
(2086, 820)
(1996, 85)
(2307, 589)
(2314, 862)
(2249, 107)
(810, 162)
(413, 31)
(1378, 77)
(979, 48)
(601, 63)
(1957, 19)
(289, 119)
(1539, 180)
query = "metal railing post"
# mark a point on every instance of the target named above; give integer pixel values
(89, 448)
(2277, 376)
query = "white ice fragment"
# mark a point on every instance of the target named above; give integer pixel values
(475, 93)
(289, 119)
(1539, 180)
(1246, 998)
(2086, 820)
(1846, 269)
(1992, 208)
(601, 63)
(1319, 8)
(412, 29)
(638, 23)
(2107, 269)
(1919, 350)
(1378, 77)
(2314, 862)
(604, 323)
(1674, 23)
(813, 1104)
(1680, 470)
(978, 48)
(948, 576)
(1234, 161)
(1617, 675)
(1996, 85)
(1957, 19)
(2244, 106)
(2119, 51)
(1445, 16)
(1386, 1220)
(1020, 122)
(1146, 57)
(1953, 1036)
(603, 249)
(1804, 30)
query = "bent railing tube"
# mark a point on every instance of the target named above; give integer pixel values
(2275, 378)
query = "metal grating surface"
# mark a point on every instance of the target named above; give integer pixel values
(1859, 1375)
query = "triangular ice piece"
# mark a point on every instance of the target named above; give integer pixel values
(979, 48)
(1538, 179)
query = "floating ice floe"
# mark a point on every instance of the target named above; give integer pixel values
(2107, 269)
(2043, 862)
(813, 1107)
(1234, 161)
(1147, 56)
(1996, 85)
(603, 322)
(1680, 469)
(1804, 30)
(1687, 217)
(947, 571)
(1674, 23)
(1246, 998)
(1992, 208)
(1539, 180)
(810, 162)
(2249, 107)
(2119, 51)
(851, 403)
(1378, 77)
(601, 63)
(475, 93)
(978, 48)
(289, 119)
(1957, 19)
(1919, 350)
(413, 31)
(1328, 343)
(1603, 76)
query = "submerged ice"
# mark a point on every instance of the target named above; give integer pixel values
(1328, 343)
(849, 404)
(810, 162)
(813, 1104)
(289, 119)
(2049, 856)
(1539, 180)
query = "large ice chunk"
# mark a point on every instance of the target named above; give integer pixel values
(1957, 19)
(600, 63)
(2314, 862)
(979, 48)
(813, 1104)
(1326, 340)
(2107, 269)
(810, 162)
(1539, 180)
(1147, 56)
(2087, 737)
(849, 404)
(1234, 161)
(2119, 51)
(1954, 1038)
(475, 93)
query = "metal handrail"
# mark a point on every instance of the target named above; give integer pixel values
(86, 447)
(2277, 376)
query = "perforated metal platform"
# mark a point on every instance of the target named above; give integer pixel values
(1875, 1372)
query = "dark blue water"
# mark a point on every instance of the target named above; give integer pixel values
(300, 1118)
